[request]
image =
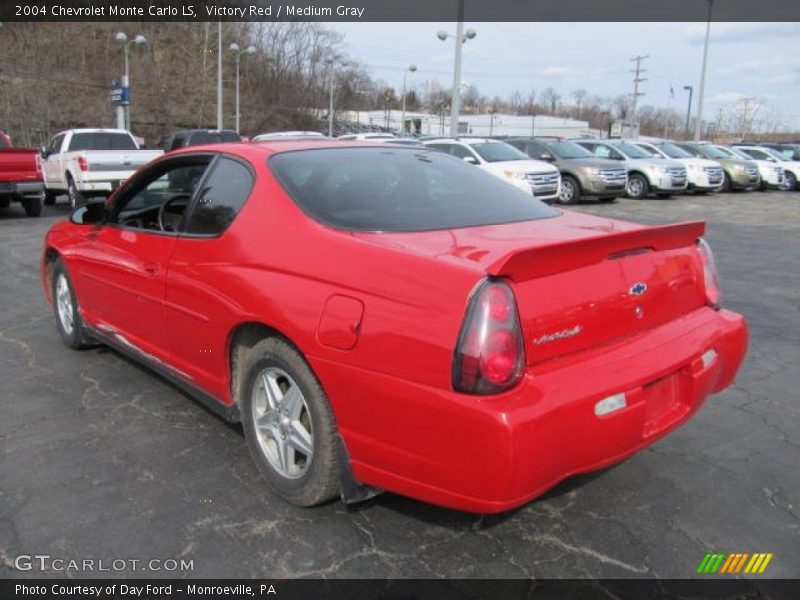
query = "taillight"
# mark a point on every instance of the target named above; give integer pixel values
(489, 355)
(39, 166)
(710, 273)
(83, 164)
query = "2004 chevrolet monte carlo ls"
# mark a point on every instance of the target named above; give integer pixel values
(392, 318)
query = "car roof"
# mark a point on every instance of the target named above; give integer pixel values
(269, 147)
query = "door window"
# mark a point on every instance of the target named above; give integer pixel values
(158, 198)
(55, 144)
(223, 194)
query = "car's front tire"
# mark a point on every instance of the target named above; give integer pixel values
(790, 182)
(637, 186)
(289, 425)
(65, 306)
(570, 191)
(726, 182)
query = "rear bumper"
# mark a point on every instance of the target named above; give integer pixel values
(490, 454)
(22, 189)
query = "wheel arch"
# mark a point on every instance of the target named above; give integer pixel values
(244, 336)
(574, 178)
(49, 258)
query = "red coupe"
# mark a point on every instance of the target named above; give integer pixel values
(392, 318)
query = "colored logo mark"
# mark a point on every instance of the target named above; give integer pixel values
(742, 562)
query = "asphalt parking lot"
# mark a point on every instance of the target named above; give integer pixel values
(101, 459)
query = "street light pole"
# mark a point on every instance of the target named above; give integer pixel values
(688, 109)
(126, 84)
(329, 62)
(237, 51)
(411, 68)
(219, 76)
(699, 119)
(124, 112)
(460, 37)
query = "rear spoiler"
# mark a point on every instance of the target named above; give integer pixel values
(530, 263)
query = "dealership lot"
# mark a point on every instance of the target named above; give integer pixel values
(102, 459)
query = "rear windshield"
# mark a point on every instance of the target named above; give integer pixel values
(3, 143)
(213, 137)
(399, 189)
(101, 141)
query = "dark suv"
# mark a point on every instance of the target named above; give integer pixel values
(583, 176)
(195, 137)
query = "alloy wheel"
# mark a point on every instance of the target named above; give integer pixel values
(282, 423)
(64, 304)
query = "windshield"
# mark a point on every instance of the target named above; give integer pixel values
(569, 150)
(727, 152)
(632, 151)
(774, 153)
(399, 189)
(673, 151)
(714, 152)
(497, 151)
(652, 152)
(101, 141)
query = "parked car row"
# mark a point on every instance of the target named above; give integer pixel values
(82, 163)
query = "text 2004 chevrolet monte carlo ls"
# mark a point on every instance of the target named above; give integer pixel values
(393, 318)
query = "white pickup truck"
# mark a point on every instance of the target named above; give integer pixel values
(90, 162)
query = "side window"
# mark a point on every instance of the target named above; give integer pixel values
(172, 185)
(223, 195)
(55, 144)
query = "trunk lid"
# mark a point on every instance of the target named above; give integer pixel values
(579, 281)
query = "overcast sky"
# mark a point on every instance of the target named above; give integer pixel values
(760, 60)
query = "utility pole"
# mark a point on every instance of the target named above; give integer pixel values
(699, 119)
(745, 129)
(637, 79)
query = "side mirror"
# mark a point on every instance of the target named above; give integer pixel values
(471, 160)
(91, 213)
(546, 156)
(43, 152)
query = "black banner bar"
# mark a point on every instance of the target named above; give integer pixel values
(399, 10)
(405, 589)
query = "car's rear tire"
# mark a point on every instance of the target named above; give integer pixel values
(570, 191)
(65, 306)
(32, 206)
(75, 197)
(289, 425)
(637, 186)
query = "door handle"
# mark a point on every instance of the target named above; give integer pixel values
(151, 269)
